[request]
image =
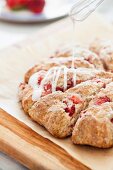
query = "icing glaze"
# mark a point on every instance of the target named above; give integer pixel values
(52, 76)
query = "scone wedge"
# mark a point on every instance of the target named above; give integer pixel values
(104, 50)
(95, 124)
(82, 75)
(58, 111)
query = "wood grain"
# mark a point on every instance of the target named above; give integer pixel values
(29, 148)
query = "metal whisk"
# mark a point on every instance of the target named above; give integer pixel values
(83, 8)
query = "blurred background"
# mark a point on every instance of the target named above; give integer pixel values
(13, 28)
(13, 32)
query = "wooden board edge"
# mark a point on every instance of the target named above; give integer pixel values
(29, 136)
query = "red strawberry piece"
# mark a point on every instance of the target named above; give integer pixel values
(70, 110)
(47, 87)
(36, 6)
(75, 99)
(59, 89)
(78, 81)
(70, 83)
(16, 4)
(67, 109)
(112, 120)
(102, 100)
(65, 102)
(40, 79)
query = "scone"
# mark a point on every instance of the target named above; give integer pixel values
(104, 49)
(82, 74)
(105, 95)
(73, 98)
(80, 52)
(25, 96)
(95, 124)
(37, 68)
(95, 127)
(84, 59)
(59, 111)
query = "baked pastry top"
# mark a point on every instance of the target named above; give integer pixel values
(76, 100)
(104, 49)
(84, 58)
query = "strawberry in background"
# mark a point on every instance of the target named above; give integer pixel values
(16, 4)
(35, 6)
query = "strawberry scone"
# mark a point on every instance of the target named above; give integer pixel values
(78, 62)
(73, 95)
(59, 111)
(80, 74)
(104, 49)
(95, 124)
(84, 58)
(83, 53)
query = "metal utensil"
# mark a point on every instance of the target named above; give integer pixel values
(83, 8)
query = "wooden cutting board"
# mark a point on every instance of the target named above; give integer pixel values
(31, 149)
(20, 137)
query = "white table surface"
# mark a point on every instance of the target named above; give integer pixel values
(13, 33)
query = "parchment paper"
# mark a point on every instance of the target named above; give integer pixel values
(16, 60)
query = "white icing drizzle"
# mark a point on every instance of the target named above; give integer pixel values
(57, 77)
(36, 94)
(65, 77)
(53, 80)
(74, 76)
(33, 83)
(33, 80)
(53, 76)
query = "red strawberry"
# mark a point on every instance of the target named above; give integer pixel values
(112, 120)
(47, 89)
(70, 110)
(36, 6)
(70, 83)
(75, 99)
(40, 79)
(16, 4)
(59, 89)
(102, 100)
